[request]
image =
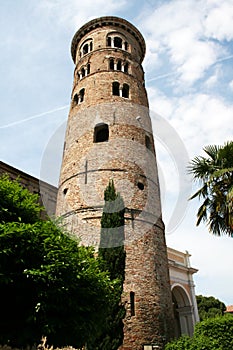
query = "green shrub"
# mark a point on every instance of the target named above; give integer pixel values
(182, 343)
(210, 334)
(218, 329)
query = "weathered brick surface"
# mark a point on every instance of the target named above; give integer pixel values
(130, 161)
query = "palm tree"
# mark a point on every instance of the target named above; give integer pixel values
(215, 173)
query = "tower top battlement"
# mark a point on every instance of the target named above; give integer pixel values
(112, 21)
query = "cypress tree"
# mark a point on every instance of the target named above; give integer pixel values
(112, 259)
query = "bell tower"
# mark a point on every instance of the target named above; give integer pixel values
(109, 136)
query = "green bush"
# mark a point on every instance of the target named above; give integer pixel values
(182, 343)
(210, 334)
(218, 329)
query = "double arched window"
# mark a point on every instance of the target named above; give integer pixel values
(117, 40)
(79, 97)
(120, 90)
(117, 64)
(86, 47)
(84, 71)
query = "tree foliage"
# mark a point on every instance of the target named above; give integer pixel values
(112, 258)
(209, 307)
(210, 334)
(49, 283)
(17, 203)
(215, 173)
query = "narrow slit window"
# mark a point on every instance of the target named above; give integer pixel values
(126, 46)
(91, 46)
(88, 68)
(125, 91)
(132, 303)
(116, 88)
(148, 143)
(101, 133)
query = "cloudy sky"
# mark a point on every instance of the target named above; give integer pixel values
(189, 80)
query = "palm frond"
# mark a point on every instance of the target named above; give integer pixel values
(202, 212)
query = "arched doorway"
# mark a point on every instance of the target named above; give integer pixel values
(183, 311)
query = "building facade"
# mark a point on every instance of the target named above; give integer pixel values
(183, 292)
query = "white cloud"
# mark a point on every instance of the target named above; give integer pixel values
(184, 30)
(73, 13)
(218, 23)
(231, 85)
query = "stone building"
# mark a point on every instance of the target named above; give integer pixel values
(109, 137)
(47, 192)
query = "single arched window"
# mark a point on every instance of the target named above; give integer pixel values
(101, 133)
(85, 49)
(126, 67)
(75, 100)
(109, 41)
(111, 64)
(125, 91)
(117, 42)
(81, 95)
(116, 88)
(119, 65)
(83, 72)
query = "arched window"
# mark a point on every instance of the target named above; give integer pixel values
(75, 100)
(109, 41)
(119, 65)
(125, 91)
(81, 95)
(116, 88)
(126, 67)
(111, 64)
(126, 45)
(117, 42)
(101, 133)
(83, 72)
(85, 49)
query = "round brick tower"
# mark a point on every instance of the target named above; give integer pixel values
(109, 136)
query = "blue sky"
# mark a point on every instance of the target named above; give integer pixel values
(189, 80)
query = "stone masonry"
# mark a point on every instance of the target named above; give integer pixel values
(109, 136)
